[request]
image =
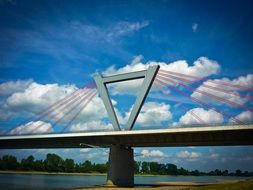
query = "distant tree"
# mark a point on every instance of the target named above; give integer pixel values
(238, 172)
(246, 173)
(54, 163)
(39, 165)
(9, 162)
(28, 163)
(171, 169)
(77, 167)
(162, 169)
(218, 172)
(195, 173)
(86, 167)
(154, 167)
(101, 168)
(182, 171)
(137, 166)
(69, 165)
(225, 173)
(145, 167)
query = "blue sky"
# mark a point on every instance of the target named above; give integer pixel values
(56, 46)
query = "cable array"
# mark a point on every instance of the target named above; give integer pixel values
(60, 111)
(172, 80)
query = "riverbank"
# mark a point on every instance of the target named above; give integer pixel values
(231, 185)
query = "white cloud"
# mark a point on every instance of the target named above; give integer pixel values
(152, 153)
(125, 28)
(214, 155)
(246, 81)
(94, 111)
(195, 27)
(32, 127)
(208, 116)
(96, 37)
(202, 67)
(242, 80)
(10, 87)
(115, 31)
(84, 150)
(189, 155)
(245, 116)
(91, 126)
(152, 113)
(36, 97)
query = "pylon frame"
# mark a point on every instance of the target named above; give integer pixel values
(101, 82)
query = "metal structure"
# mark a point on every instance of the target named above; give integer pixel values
(171, 137)
(101, 81)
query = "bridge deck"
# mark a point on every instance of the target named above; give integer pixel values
(197, 136)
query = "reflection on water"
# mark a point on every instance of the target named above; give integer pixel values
(48, 182)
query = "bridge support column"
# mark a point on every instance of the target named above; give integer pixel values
(121, 166)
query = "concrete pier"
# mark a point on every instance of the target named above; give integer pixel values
(121, 166)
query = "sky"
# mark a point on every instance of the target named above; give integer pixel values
(49, 49)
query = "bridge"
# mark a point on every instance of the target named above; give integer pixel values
(121, 142)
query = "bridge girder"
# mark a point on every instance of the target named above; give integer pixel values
(197, 136)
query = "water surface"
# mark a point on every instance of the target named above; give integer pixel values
(55, 182)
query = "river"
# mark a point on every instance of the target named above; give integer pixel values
(55, 182)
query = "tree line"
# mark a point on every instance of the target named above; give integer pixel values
(54, 163)
(172, 169)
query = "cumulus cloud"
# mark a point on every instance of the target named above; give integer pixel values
(32, 127)
(245, 116)
(152, 153)
(189, 155)
(7, 88)
(152, 113)
(202, 67)
(94, 111)
(242, 80)
(207, 116)
(92, 126)
(30, 98)
(231, 93)
(37, 96)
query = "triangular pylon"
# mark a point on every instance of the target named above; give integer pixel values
(101, 81)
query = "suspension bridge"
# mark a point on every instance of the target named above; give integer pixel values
(121, 142)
